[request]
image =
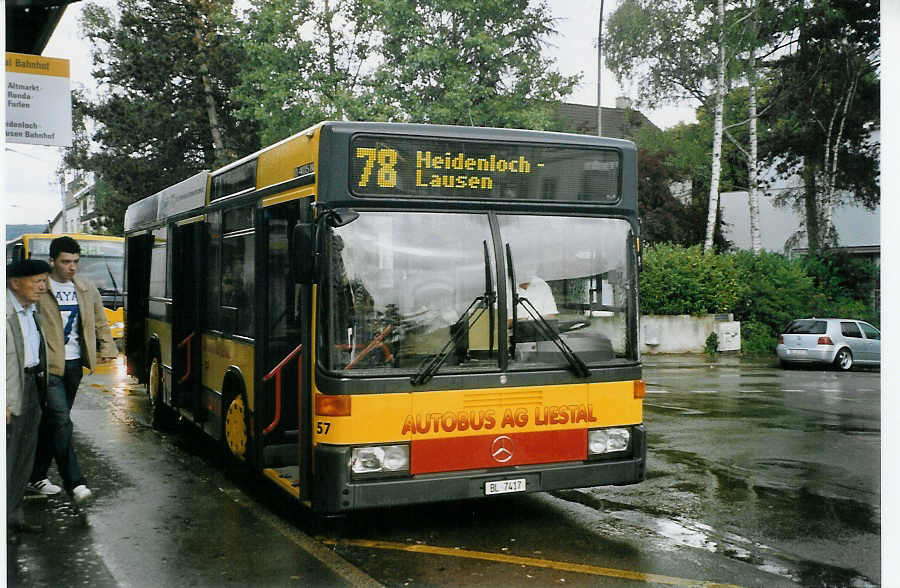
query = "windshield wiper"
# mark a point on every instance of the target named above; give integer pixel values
(115, 286)
(578, 366)
(461, 327)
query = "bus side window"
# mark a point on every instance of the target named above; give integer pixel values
(158, 263)
(237, 279)
(213, 290)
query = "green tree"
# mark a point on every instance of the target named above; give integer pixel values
(163, 113)
(664, 218)
(307, 61)
(825, 106)
(467, 62)
(683, 152)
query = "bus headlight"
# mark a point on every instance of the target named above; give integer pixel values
(380, 459)
(602, 441)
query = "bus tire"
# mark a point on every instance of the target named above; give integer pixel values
(235, 427)
(162, 417)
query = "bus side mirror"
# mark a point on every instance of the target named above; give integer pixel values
(339, 217)
(304, 254)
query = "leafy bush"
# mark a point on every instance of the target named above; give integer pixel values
(685, 280)
(845, 308)
(712, 344)
(774, 289)
(841, 275)
(757, 338)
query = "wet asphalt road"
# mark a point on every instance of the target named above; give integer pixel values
(756, 476)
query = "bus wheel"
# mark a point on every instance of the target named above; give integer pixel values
(235, 433)
(161, 416)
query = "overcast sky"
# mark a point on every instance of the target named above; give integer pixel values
(32, 193)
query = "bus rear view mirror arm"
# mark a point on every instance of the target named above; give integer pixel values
(304, 255)
(308, 245)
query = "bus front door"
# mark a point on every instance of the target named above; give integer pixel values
(187, 274)
(283, 352)
(138, 249)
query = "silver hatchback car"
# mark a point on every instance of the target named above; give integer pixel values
(830, 341)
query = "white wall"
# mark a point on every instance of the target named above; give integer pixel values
(687, 334)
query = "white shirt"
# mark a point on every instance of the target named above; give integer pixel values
(540, 295)
(30, 334)
(68, 309)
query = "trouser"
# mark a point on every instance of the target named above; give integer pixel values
(21, 442)
(55, 439)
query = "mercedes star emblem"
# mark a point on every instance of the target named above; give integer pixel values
(502, 449)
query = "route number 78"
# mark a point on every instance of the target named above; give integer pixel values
(386, 159)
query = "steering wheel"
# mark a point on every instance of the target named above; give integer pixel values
(378, 341)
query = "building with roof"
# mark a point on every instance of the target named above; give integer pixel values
(621, 122)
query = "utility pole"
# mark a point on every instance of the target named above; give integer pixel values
(599, 72)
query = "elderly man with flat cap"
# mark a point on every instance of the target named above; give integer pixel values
(26, 381)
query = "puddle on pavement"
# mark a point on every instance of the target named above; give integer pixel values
(670, 533)
(799, 513)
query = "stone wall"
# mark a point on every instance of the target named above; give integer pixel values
(687, 334)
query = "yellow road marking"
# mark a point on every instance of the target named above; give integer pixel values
(527, 561)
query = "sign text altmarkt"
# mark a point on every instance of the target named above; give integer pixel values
(38, 100)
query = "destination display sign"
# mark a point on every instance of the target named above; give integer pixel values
(447, 168)
(38, 100)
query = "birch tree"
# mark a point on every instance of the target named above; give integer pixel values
(717, 132)
(750, 22)
(673, 50)
(753, 159)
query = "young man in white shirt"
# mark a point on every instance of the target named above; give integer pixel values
(75, 326)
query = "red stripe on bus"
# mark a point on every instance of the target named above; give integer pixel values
(497, 451)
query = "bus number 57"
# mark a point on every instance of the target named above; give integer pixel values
(386, 160)
(322, 427)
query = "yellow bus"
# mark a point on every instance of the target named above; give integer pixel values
(102, 262)
(375, 314)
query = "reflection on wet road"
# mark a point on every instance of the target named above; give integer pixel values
(777, 468)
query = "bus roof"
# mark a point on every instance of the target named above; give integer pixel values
(77, 236)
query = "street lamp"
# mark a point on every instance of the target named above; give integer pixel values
(599, 71)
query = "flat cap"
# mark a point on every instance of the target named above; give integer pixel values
(27, 267)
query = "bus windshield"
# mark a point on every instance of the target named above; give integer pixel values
(402, 286)
(107, 273)
(101, 262)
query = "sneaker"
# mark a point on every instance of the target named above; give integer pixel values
(45, 486)
(81, 494)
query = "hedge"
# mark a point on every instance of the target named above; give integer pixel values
(764, 291)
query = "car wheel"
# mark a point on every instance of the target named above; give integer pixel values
(786, 365)
(844, 359)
